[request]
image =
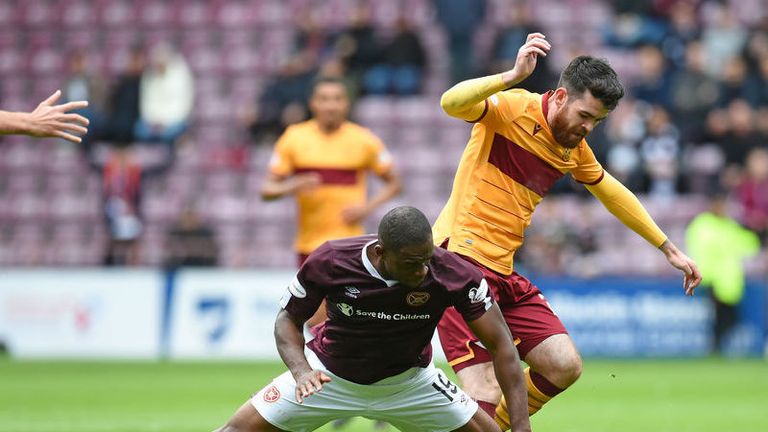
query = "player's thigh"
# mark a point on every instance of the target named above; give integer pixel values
(277, 404)
(479, 381)
(248, 419)
(531, 321)
(431, 403)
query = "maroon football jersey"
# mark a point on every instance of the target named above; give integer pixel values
(378, 328)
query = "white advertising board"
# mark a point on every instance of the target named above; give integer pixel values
(81, 313)
(225, 314)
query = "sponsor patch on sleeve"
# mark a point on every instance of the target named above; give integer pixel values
(295, 289)
(481, 294)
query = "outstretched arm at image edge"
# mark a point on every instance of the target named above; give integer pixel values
(47, 120)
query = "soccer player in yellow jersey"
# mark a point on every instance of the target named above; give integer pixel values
(324, 163)
(520, 145)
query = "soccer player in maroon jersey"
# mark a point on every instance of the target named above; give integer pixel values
(385, 294)
(47, 120)
(521, 144)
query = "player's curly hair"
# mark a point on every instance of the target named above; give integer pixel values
(593, 74)
(404, 226)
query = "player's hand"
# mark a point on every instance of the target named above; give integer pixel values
(535, 45)
(680, 261)
(310, 383)
(49, 120)
(353, 215)
(305, 182)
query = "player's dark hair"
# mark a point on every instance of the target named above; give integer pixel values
(404, 226)
(325, 79)
(593, 74)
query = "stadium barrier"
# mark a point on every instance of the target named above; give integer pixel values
(216, 314)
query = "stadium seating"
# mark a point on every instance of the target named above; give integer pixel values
(50, 200)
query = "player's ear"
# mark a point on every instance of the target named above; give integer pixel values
(561, 96)
(378, 249)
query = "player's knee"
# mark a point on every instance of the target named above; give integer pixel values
(479, 382)
(568, 369)
(481, 392)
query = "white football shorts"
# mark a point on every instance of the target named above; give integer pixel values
(417, 400)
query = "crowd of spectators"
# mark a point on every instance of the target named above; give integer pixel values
(695, 113)
(695, 117)
(150, 103)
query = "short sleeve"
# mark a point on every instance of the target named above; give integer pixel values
(379, 160)
(588, 170)
(281, 162)
(474, 300)
(307, 290)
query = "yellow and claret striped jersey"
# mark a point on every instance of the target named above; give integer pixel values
(342, 159)
(509, 164)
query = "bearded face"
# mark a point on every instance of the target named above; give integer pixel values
(575, 117)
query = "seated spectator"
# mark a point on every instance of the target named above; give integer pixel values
(693, 91)
(736, 83)
(358, 46)
(742, 136)
(191, 242)
(460, 20)
(402, 64)
(123, 103)
(684, 28)
(634, 24)
(509, 38)
(752, 193)
(654, 84)
(283, 101)
(660, 150)
(723, 38)
(81, 84)
(166, 96)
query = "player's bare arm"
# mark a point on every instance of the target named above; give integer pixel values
(290, 345)
(623, 204)
(466, 100)
(495, 336)
(275, 186)
(47, 120)
(392, 188)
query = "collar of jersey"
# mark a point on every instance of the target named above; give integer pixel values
(371, 269)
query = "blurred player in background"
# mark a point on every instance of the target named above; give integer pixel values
(520, 145)
(47, 120)
(324, 163)
(373, 356)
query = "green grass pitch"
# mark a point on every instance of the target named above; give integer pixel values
(673, 395)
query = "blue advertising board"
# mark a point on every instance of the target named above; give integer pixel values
(649, 317)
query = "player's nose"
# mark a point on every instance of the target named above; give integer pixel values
(422, 273)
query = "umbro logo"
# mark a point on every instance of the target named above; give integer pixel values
(536, 129)
(351, 291)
